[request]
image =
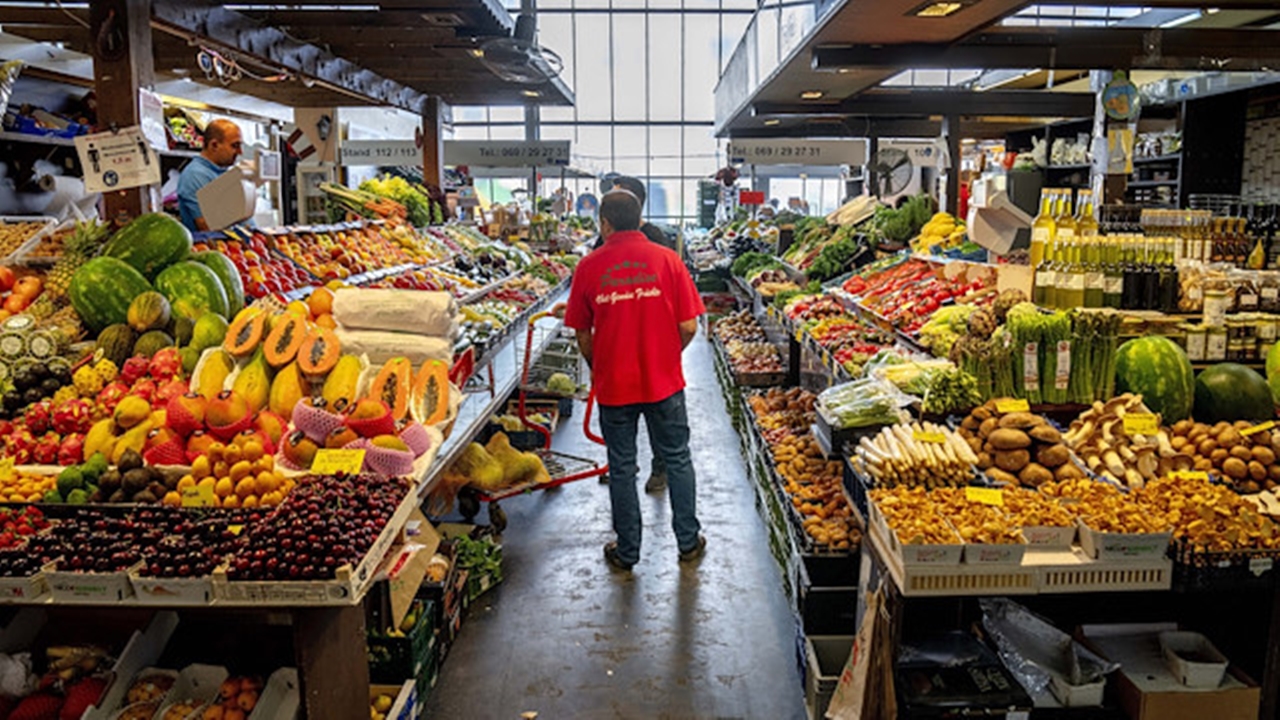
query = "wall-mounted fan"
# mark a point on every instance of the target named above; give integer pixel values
(519, 58)
(893, 171)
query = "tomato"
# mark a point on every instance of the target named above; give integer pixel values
(16, 303)
(29, 285)
(6, 278)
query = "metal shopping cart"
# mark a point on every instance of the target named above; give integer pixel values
(550, 356)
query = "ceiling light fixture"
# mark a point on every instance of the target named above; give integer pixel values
(937, 9)
(476, 52)
(772, 121)
(531, 93)
(811, 94)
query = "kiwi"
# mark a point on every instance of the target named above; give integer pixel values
(131, 460)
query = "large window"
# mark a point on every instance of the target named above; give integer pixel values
(644, 75)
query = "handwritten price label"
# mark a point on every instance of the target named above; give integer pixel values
(1260, 427)
(6, 469)
(334, 461)
(1141, 424)
(1012, 405)
(936, 438)
(199, 496)
(985, 496)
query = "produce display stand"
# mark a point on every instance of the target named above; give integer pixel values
(1066, 585)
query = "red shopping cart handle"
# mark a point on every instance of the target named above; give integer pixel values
(464, 366)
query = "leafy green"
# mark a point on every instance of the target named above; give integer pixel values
(749, 262)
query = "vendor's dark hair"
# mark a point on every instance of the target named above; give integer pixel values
(621, 209)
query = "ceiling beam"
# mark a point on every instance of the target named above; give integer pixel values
(239, 33)
(920, 102)
(1075, 48)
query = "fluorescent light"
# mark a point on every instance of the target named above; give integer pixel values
(811, 94)
(476, 52)
(264, 7)
(772, 121)
(531, 93)
(937, 9)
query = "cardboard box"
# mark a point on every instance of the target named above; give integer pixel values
(1148, 690)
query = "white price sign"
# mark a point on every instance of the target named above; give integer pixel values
(798, 152)
(151, 119)
(380, 152)
(117, 160)
(500, 153)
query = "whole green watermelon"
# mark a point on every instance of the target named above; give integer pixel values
(1159, 370)
(1230, 391)
(102, 289)
(192, 289)
(227, 273)
(150, 243)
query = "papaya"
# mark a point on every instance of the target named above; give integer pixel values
(284, 340)
(393, 385)
(343, 381)
(254, 382)
(213, 374)
(245, 334)
(286, 390)
(431, 392)
(319, 352)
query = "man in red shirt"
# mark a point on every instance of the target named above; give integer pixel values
(635, 309)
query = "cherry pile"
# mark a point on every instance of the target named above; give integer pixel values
(26, 559)
(325, 523)
(198, 545)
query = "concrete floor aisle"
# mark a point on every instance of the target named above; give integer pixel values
(566, 638)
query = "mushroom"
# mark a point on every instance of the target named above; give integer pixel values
(1162, 441)
(1148, 463)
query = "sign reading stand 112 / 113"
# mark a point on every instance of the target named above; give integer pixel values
(783, 151)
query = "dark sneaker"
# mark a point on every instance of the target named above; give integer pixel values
(696, 552)
(657, 483)
(611, 557)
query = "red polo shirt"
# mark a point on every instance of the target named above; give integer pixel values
(633, 294)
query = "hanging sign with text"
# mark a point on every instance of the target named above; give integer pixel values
(380, 152)
(785, 151)
(117, 160)
(506, 153)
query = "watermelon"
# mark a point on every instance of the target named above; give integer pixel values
(102, 289)
(1156, 368)
(192, 289)
(1230, 391)
(227, 273)
(150, 243)
(1273, 371)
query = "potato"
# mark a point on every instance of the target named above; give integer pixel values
(1045, 434)
(1178, 442)
(1052, 456)
(1204, 464)
(983, 413)
(988, 426)
(1068, 472)
(1001, 476)
(1235, 468)
(1273, 472)
(1257, 470)
(1012, 460)
(1182, 427)
(985, 461)
(1035, 475)
(975, 444)
(1020, 420)
(987, 447)
(1242, 425)
(1242, 452)
(1249, 487)
(1229, 438)
(1009, 439)
(1195, 436)
(971, 423)
(1219, 427)
(1206, 447)
(1217, 456)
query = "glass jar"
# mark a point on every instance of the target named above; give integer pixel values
(1218, 301)
(1246, 283)
(1269, 291)
(1195, 338)
(1235, 350)
(1265, 325)
(1215, 344)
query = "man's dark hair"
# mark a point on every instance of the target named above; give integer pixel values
(631, 185)
(621, 209)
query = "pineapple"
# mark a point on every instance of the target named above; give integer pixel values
(81, 245)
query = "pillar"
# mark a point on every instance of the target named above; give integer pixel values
(433, 142)
(122, 64)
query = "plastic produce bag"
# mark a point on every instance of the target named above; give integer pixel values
(8, 76)
(402, 311)
(1034, 650)
(863, 403)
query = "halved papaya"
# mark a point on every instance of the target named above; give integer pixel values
(431, 392)
(319, 352)
(393, 385)
(245, 334)
(284, 340)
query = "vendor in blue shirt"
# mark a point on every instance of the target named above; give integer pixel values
(222, 146)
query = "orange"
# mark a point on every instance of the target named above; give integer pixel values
(320, 302)
(201, 467)
(245, 488)
(247, 700)
(263, 464)
(172, 499)
(270, 499)
(213, 712)
(327, 321)
(221, 469)
(250, 502)
(224, 488)
(209, 482)
(241, 470)
(229, 689)
(186, 482)
(267, 481)
(233, 713)
(252, 451)
(231, 501)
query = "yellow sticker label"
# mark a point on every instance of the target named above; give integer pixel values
(6, 469)
(199, 496)
(1141, 424)
(929, 437)
(986, 496)
(1189, 475)
(235, 529)
(334, 461)
(1012, 405)
(1260, 427)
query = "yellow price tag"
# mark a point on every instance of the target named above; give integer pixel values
(1141, 424)
(1012, 405)
(1260, 427)
(936, 438)
(334, 461)
(986, 496)
(1189, 475)
(199, 496)
(235, 529)
(6, 469)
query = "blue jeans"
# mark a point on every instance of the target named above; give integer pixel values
(668, 425)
